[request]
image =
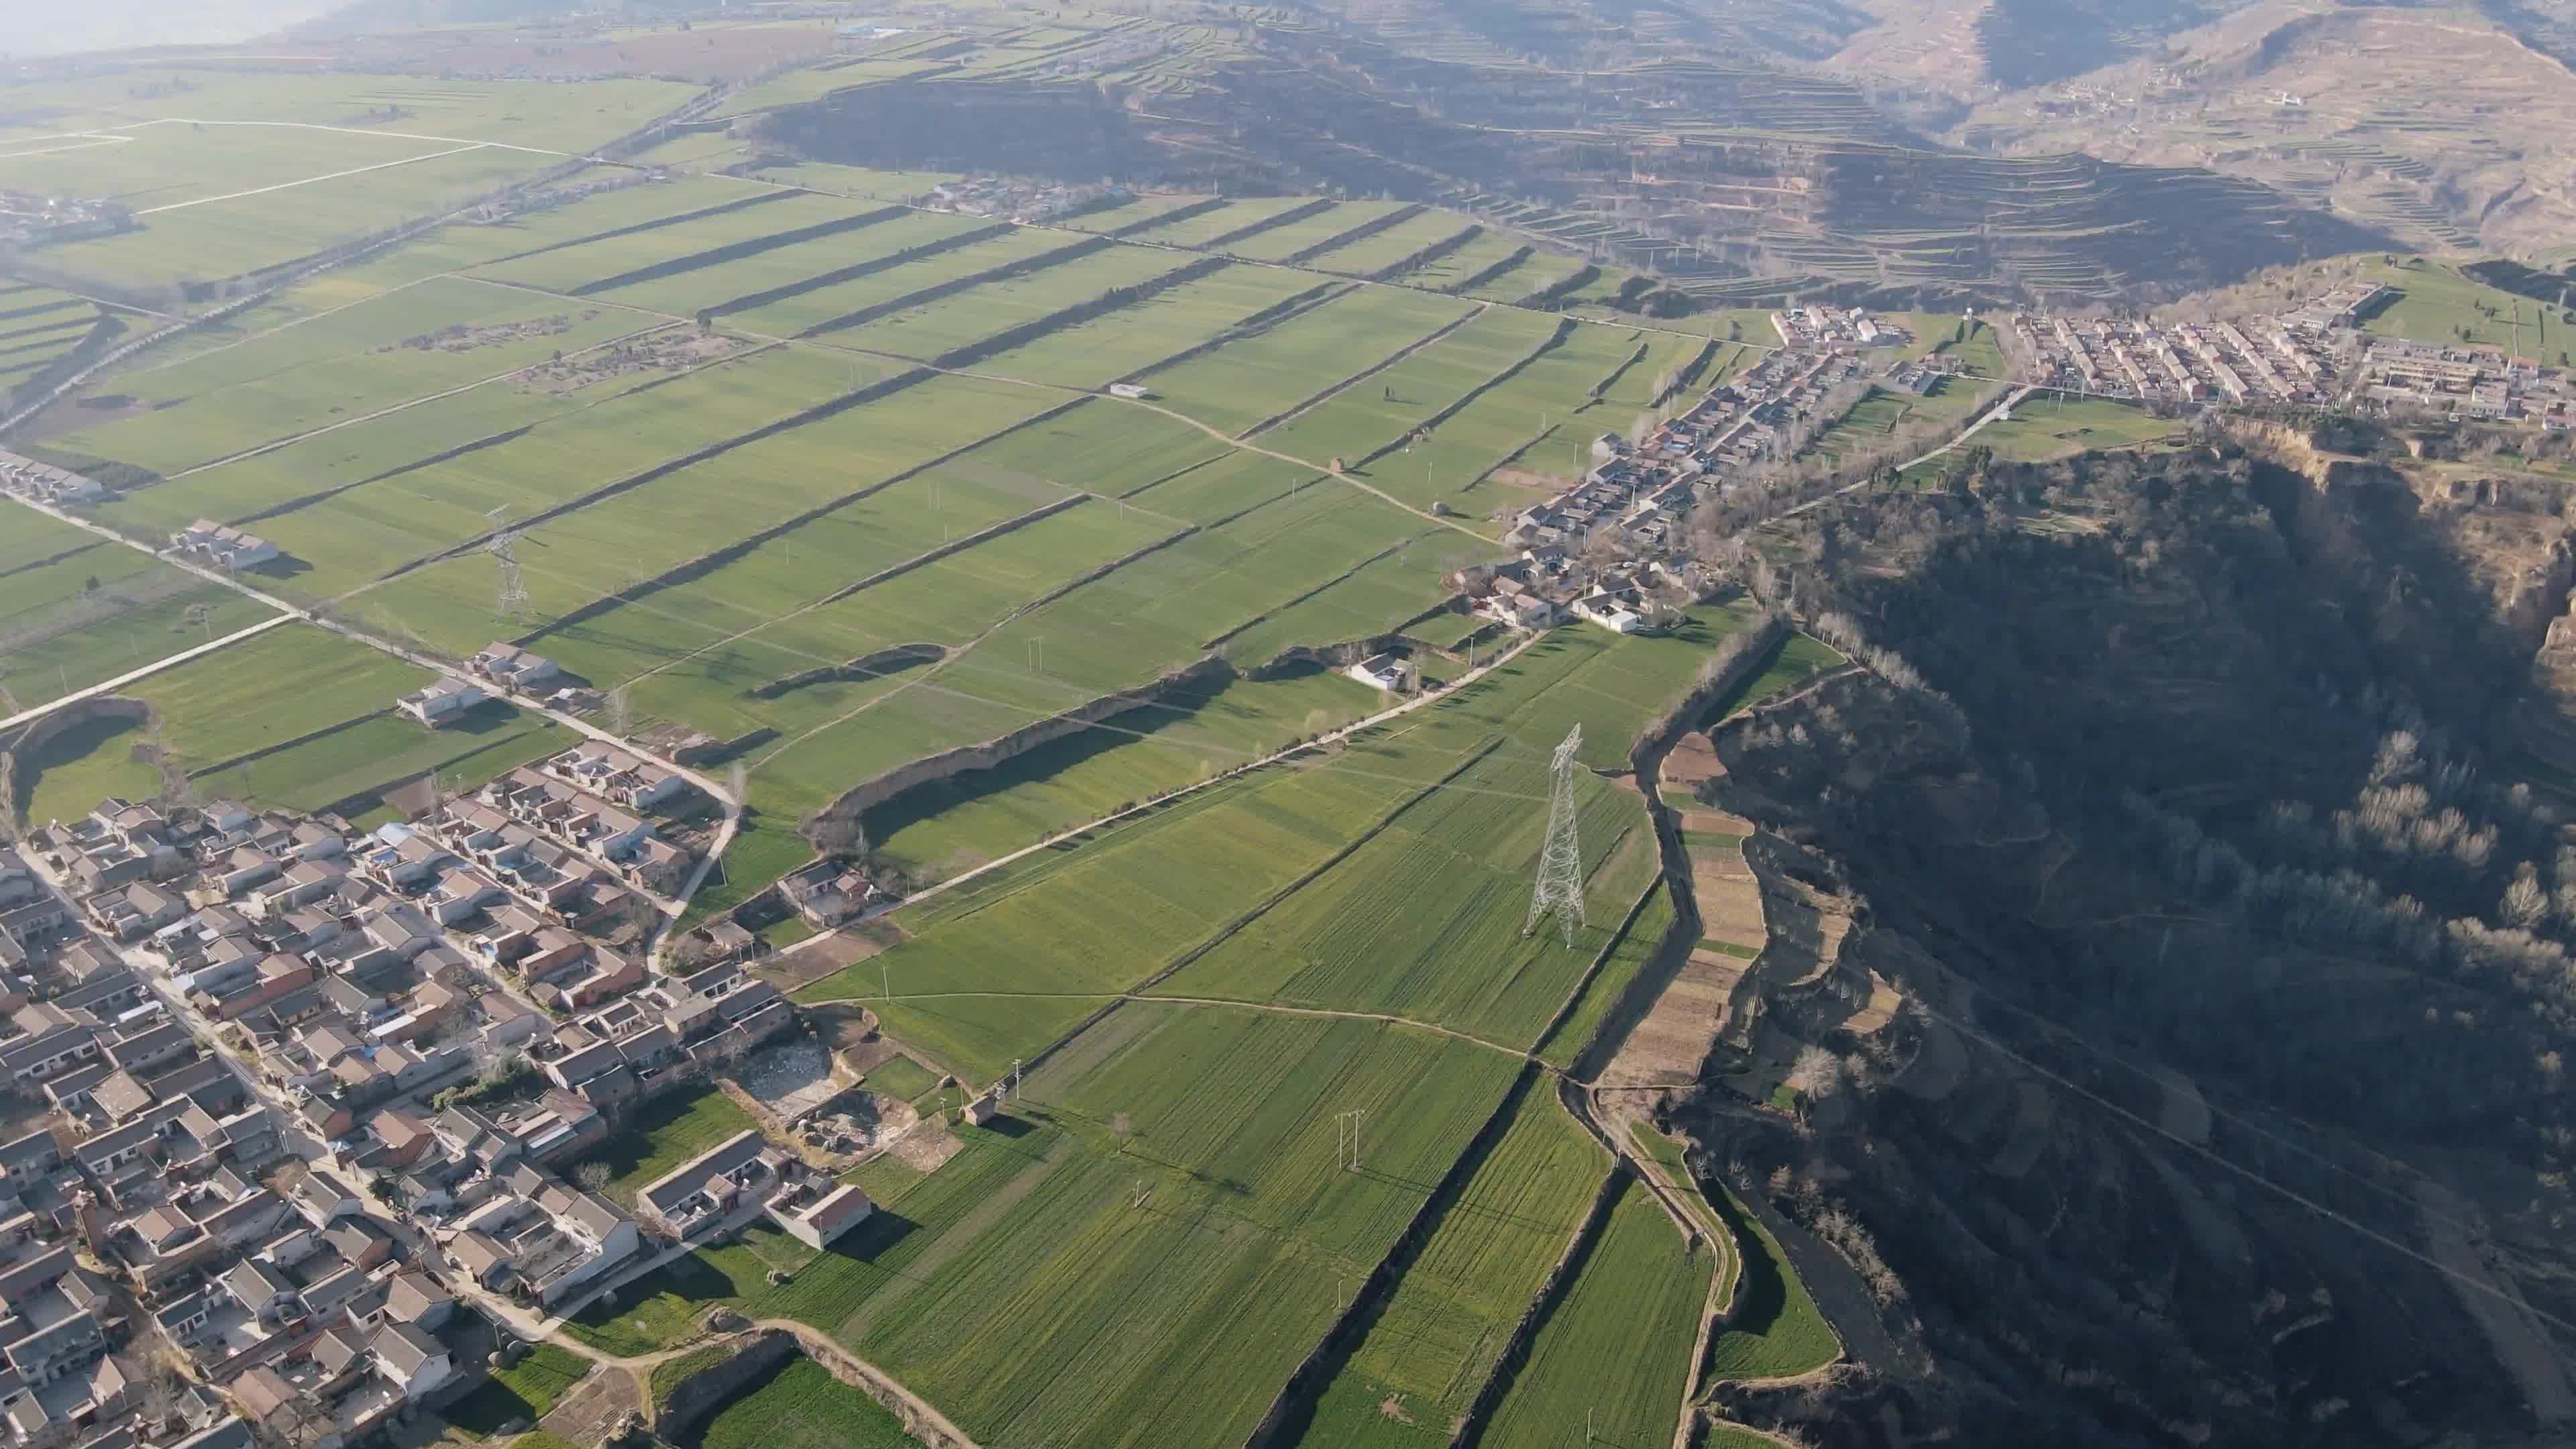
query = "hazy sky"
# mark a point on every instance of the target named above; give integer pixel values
(52, 27)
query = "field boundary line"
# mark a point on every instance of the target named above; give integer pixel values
(1074, 833)
(1432, 424)
(291, 440)
(310, 180)
(284, 326)
(1334, 390)
(627, 596)
(461, 141)
(110, 686)
(1262, 908)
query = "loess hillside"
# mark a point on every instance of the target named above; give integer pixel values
(2236, 990)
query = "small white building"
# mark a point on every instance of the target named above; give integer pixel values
(223, 545)
(442, 703)
(1611, 613)
(1390, 672)
(1130, 390)
(825, 1220)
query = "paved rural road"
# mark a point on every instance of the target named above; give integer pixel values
(1274, 757)
(110, 686)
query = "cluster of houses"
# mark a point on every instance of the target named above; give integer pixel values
(1018, 200)
(142, 1178)
(1811, 329)
(745, 1177)
(2272, 360)
(355, 977)
(1638, 497)
(496, 670)
(30, 220)
(222, 545)
(26, 478)
(2484, 384)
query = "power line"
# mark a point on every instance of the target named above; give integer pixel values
(2249, 1174)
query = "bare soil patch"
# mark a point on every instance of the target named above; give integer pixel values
(672, 349)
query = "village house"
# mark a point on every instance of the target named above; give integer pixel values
(222, 545)
(441, 704)
(511, 667)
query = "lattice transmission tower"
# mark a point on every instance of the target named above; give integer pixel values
(513, 592)
(1560, 861)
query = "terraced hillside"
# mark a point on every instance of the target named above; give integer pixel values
(1736, 184)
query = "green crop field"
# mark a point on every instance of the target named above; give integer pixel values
(2046, 427)
(2435, 303)
(1254, 377)
(1613, 1356)
(39, 328)
(80, 610)
(524, 1391)
(1206, 227)
(799, 1405)
(663, 1133)
(1772, 1329)
(1433, 1342)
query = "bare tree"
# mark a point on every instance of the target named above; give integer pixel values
(593, 1176)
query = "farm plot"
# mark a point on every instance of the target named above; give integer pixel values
(1637, 944)
(1614, 1353)
(445, 333)
(1279, 243)
(524, 112)
(1118, 631)
(1540, 419)
(1382, 411)
(1538, 274)
(726, 666)
(1142, 334)
(1367, 256)
(1379, 597)
(1773, 1329)
(1477, 259)
(168, 164)
(1199, 230)
(936, 829)
(950, 322)
(1058, 943)
(86, 618)
(721, 287)
(426, 503)
(524, 1391)
(1095, 446)
(1133, 213)
(456, 247)
(799, 1405)
(801, 312)
(302, 718)
(1265, 373)
(2044, 429)
(1162, 1281)
(1424, 920)
(37, 328)
(228, 236)
(1434, 1341)
(679, 246)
